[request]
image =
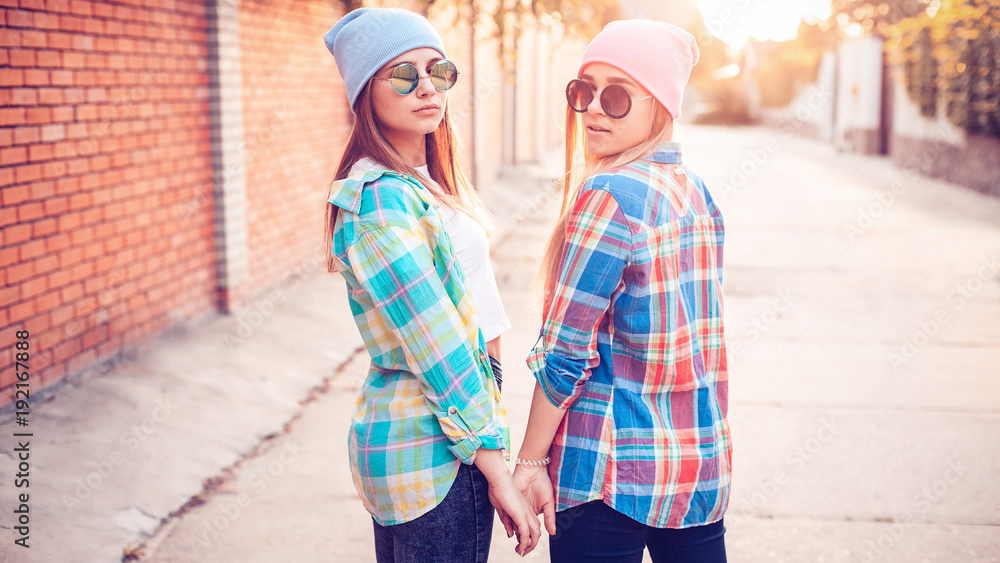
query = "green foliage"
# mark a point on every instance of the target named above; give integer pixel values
(952, 58)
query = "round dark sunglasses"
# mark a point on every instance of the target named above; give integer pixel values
(615, 99)
(405, 77)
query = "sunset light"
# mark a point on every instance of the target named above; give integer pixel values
(736, 21)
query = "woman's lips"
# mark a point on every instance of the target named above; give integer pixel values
(428, 110)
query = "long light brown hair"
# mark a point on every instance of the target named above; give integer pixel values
(443, 148)
(581, 165)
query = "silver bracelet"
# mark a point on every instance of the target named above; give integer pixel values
(533, 462)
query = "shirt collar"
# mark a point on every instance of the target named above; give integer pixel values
(667, 153)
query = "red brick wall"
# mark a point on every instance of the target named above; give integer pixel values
(296, 121)
(104, 146)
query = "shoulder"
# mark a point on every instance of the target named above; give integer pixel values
(628, 185)
(380, 198)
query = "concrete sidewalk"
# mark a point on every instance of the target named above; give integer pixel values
(862, 318)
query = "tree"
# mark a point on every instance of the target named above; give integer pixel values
(951, 58)
(876, 16)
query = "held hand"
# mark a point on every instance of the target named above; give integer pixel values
(536, 487)
(516, 515)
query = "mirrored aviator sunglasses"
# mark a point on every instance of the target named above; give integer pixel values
(405, 77)
(615, 100)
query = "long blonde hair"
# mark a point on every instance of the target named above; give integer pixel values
(580, 166)
(443, 148)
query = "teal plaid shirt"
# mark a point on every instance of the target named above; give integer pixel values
(430, 400)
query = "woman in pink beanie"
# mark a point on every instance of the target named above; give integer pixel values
(627, 445)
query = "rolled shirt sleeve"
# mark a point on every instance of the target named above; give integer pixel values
(595, 254)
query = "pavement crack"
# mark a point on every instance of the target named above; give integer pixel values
(219, 483)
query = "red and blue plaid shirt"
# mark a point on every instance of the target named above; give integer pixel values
(633, 348)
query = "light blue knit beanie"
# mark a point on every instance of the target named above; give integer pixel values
(366, 39)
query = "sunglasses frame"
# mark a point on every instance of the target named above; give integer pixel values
(604, 103)
(416, 81)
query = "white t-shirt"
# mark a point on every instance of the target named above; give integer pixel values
(472, 249)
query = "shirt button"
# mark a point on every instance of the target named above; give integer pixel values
(452, 410)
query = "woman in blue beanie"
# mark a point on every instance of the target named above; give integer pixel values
(429, 431)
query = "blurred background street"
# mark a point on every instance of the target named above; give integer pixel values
(163, 171)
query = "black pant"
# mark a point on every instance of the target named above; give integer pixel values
(595, 532)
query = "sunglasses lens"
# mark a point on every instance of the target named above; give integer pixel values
(444, 75)
(616, 101)
(579, 95)
(404, 78)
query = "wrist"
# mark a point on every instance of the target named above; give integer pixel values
(536, 463)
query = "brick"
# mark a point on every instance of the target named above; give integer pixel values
(12, 77)
(32, 38)
(20, 272)
(58, 241)
(45, 264)
(80, 201)
(56, 206)
(61, 78)
(52, 170)
(6, 137)
(6, 176)
(29, 212)
(57, 6)
(22, 57)
(48, 59)
(46, 21)
(23, 96)
(37, 115)
(67, 185)
(27, 173)
(26, 135)
(73, 60)
(43, 228)
(80, 7)
(8, 256)
(21, 311)
(13, 155)
(30, 249)
(50, 96)
(20, 18)
(62, 114)
(73, 95)
(53, 132)
(37, 77)
(70, 256)
(61, 41)
(13, 116)
(71, 23)
(84, 78)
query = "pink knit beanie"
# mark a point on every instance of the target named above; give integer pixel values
(658, 55)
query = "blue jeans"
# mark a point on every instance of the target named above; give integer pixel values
(457, 530)
(595, 532)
